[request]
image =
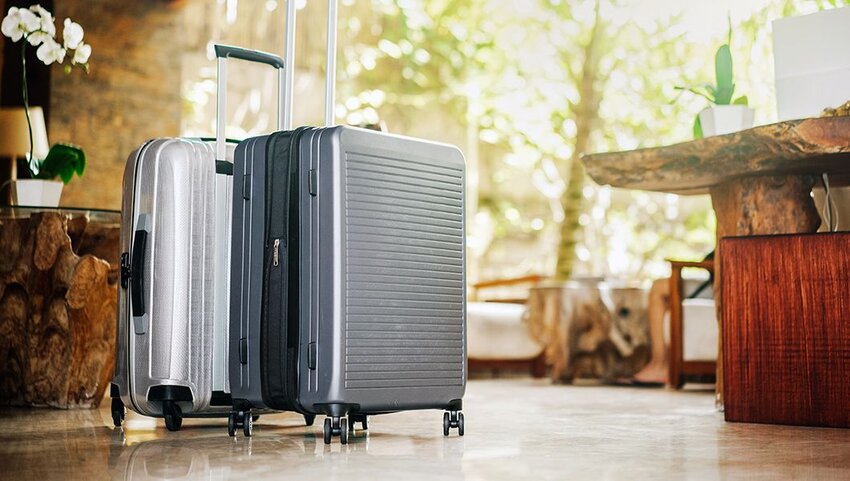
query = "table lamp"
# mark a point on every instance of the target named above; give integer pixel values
(14, 137)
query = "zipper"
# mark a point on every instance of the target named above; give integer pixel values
(276, 253)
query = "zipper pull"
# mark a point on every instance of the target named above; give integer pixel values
(276, 253)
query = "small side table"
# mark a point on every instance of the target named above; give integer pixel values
(590, 329)
(58, 305)
(760, 179)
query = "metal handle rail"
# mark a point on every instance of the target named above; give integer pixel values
(222, 53)
(330, 66)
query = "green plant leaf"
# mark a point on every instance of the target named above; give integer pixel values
(708, 94)
(63, 161)
(724, 75)
(729, 32)
(697, 128)
(742, 100)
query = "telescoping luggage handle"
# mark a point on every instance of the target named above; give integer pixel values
(330, 66)
(222, 53)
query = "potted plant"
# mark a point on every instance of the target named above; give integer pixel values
(725, 115)
(35, 26)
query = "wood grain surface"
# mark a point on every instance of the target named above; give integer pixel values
(786, 329)
(58, 297)
(590, 330)
(809, 146)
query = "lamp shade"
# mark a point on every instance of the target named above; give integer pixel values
(14, 137)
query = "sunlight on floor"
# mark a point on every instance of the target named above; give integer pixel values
(514, 429)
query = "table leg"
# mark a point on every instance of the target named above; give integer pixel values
(762, 205)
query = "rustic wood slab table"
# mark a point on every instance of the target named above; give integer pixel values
(58, 305)
(760, 180)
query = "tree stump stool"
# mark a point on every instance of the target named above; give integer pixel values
(58, 305)
(590, 330)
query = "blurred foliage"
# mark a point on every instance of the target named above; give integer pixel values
(521, 86)
(513, 70)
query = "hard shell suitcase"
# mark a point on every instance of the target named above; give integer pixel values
(171, 350)
(348, 280)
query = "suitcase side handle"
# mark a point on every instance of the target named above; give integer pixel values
(222, 53)
(137, 268)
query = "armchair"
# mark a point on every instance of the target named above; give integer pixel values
(497, 336)
(697, 311)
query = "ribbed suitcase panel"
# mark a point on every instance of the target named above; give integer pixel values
(404, 293)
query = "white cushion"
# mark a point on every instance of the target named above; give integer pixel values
(495, 330)
(700, 332)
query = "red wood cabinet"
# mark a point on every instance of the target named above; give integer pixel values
(785, 314)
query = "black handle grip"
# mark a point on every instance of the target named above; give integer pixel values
(137, 267)
(225, 51)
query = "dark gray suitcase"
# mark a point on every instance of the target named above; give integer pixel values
(347, 293)
(348, 279)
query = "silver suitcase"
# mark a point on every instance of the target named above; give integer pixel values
(171, 350)
(348, 280)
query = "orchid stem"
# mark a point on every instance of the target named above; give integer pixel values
(31, 158)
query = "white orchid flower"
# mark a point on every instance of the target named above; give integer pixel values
(18, 23)
(50, 51)
(72, 34)
(46, 27)
(36, 38)
(81, 54)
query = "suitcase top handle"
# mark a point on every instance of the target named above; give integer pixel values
(227, 51)
(222, 53)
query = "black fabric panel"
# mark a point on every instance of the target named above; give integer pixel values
(280, 330)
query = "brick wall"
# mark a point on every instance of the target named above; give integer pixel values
(131, 94)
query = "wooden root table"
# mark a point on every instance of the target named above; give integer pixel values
(58, 298)
(590, 329)
(759, 179)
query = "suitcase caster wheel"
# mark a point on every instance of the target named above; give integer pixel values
(327, 431)
(118, 412)
(343, 431)
(231, 425)
(173, 416)
(453, 419)
(309, 419)
(336, 426)
(354, 419)
(247, 425)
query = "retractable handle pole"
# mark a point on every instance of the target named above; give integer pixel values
(330, 68)
(222, 53)
(289, 69)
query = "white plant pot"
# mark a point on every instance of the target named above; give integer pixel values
(38, 193)
(725, 119)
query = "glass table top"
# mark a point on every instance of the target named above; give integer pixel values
(96, 215)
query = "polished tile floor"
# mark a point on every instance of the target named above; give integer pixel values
(515, 429)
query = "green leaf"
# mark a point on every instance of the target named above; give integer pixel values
(729, 34)
(709, 93)
(724, 75)
(63, 161)
(697, 128)
(742, 100)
